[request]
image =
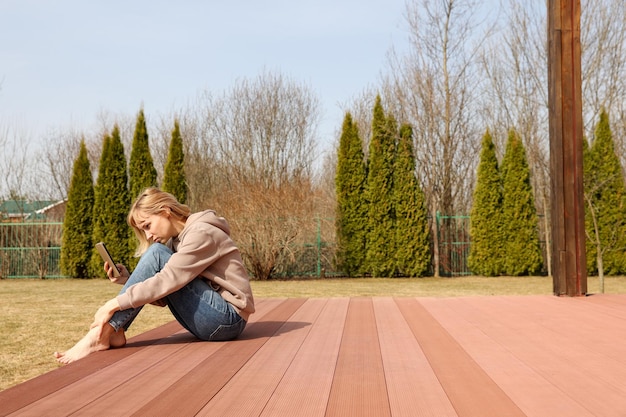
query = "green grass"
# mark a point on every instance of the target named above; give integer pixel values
(42, 316)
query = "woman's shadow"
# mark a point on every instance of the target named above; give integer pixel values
(270, 328)
(255, 330)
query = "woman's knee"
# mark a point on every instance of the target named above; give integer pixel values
(158, 249)
(151, 262)
(157, 254)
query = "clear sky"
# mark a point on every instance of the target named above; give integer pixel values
(63, 62)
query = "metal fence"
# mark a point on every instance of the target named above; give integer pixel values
(454, 245)
(33, 250)
(315, 255)
(30, 250)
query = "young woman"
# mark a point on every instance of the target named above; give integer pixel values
(188, 262)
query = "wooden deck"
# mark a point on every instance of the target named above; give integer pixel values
(540, 356)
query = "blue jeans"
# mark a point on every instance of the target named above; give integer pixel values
(196, 306)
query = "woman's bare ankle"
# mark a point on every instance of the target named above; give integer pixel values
(117, 339)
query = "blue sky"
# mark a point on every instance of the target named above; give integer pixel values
(64, 61)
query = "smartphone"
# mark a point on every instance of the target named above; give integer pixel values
(106, 256)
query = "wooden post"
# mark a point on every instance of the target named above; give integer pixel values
(569, 273)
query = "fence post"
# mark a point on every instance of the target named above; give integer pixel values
(319, 246)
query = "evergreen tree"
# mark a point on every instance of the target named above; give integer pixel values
(590, 222)
(77, 224)
(590, 213)
(141, 171)
(351, 204)
(174, 181)
(522, 255)
(487, 249)
(412, 237)
(111, 205)
(605, 188)
(95, 269)
(380, 254)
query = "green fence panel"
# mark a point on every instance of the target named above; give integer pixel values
(33, 250)
(454, 244)
(30, 250)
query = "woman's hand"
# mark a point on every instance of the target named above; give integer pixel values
(104, 313)
(124, 274)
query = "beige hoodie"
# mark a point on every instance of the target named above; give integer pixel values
(202, 249)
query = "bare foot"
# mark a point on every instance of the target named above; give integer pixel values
(92, 343)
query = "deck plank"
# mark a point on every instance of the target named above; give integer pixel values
(414, 390)
(156, 379)
(359, 388)
(47, 384)
(564, 362)
(99, 384)
(262, 373)
(309, 377)
(169, 366)
(532, 356)
(208, 377)
(536, 396)
(477, 394)
(592, 378)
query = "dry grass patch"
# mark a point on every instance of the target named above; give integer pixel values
(423, 287)
(40, 317)
(403, 287)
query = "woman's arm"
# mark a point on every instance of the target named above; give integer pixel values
(195, 253)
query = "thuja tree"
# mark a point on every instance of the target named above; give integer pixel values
(142, 173)
(351, 217)
(174, 180)
(487, 249)
(111, 205)
(593, 255)
(593, 247)
(77, 224)
(412, 237)
(605, 194)
(380, 258)
(95, 266)
(522, 253)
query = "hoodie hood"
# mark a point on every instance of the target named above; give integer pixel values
(208, 216)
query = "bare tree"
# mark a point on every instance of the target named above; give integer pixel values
(435, 88)
(200, 161)
(15, 160)
(56, 160)
(516, 95)
(249, 154)
(603, 46)
(265, 130)
(160, 137)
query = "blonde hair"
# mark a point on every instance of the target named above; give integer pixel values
(154, 201)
